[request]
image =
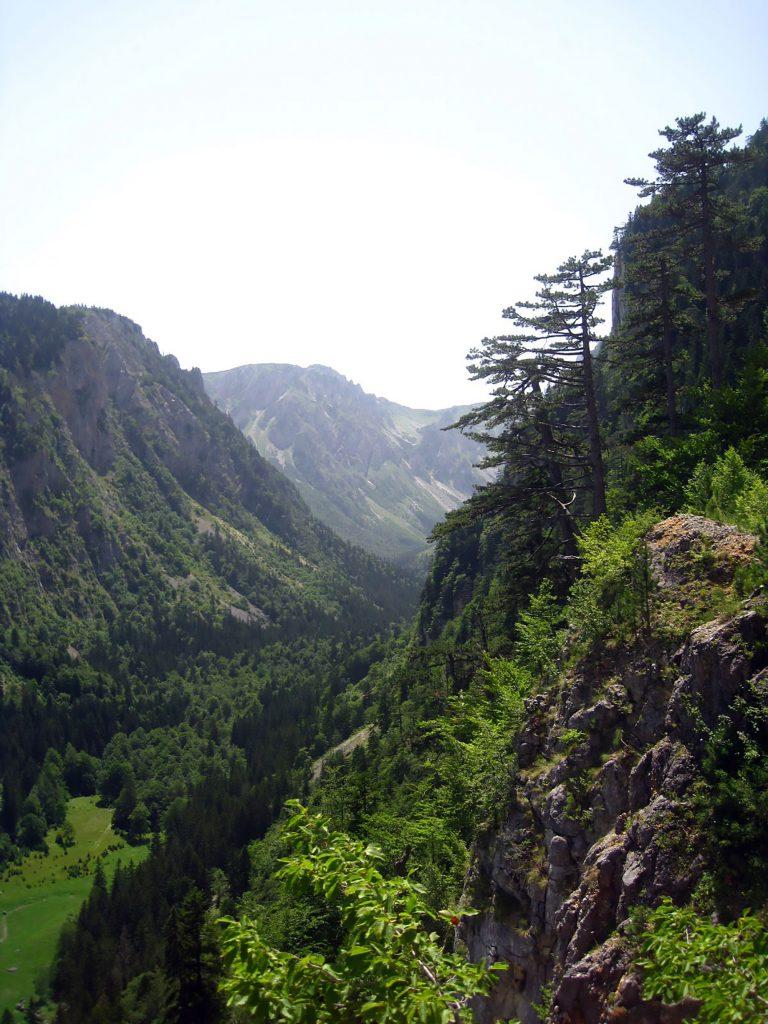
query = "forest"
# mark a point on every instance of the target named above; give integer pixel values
(180, 639)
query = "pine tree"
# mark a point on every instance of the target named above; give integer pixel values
(51, 790)
(11, 805)
(544, 398)
(520, 434)
(191, 961)
(689, 185)
(124, 805)
(656, 295)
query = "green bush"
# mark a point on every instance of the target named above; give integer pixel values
(729, 492)
(569, 739)
(539, 640)
(732, 805)
(473, 765)
(723, 965)
(613, 595)
(388, 969)
(657, 469)
(32, 831)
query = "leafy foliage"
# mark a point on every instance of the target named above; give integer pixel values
(732, 806)
(539, 637)
(388, 968)
(724, 966)
(613, 594)
(730, 492)
(478, 732)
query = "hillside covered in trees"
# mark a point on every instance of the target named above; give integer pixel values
(573, 741)
(559, 768)
(173, 620)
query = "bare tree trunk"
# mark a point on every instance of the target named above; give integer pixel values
(710, 287)
(667, 342)
(593, 423)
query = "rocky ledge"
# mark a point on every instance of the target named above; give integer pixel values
(600, 820)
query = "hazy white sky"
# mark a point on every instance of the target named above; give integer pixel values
(359, 184)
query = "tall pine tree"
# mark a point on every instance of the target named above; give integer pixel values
(561, 324)
(523, 434)
(541, 424)
(689, 186)
(657, 297)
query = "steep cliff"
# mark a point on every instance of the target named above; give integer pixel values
(602, 818)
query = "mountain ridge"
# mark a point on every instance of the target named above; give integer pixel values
(175, 624)
(380, 473)
(106, 440)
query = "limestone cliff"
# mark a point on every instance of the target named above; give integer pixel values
(600, 820)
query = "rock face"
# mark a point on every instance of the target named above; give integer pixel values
(111, 391)
(607, 824)
(378, 473)
(113, 458)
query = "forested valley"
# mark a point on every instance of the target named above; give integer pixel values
(531, 788)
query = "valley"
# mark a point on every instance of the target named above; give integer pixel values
(262, 759)
(379, 474)
(47, 889)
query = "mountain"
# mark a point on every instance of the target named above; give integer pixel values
(380, 474)
(568, 755)
(577, 747)
(607, 816)
(563, 791)
(115, 465)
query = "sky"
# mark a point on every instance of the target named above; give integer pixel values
(360, 184)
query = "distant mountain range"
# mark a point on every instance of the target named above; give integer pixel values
(380, 474)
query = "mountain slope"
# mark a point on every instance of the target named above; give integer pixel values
(113, 457)
(607, 814)
(379, 473)
(590, 737)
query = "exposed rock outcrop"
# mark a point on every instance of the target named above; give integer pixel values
(592, 832)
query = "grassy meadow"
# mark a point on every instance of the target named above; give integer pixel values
(37, 895)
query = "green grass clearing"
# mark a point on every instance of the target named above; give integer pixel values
(48, 888)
